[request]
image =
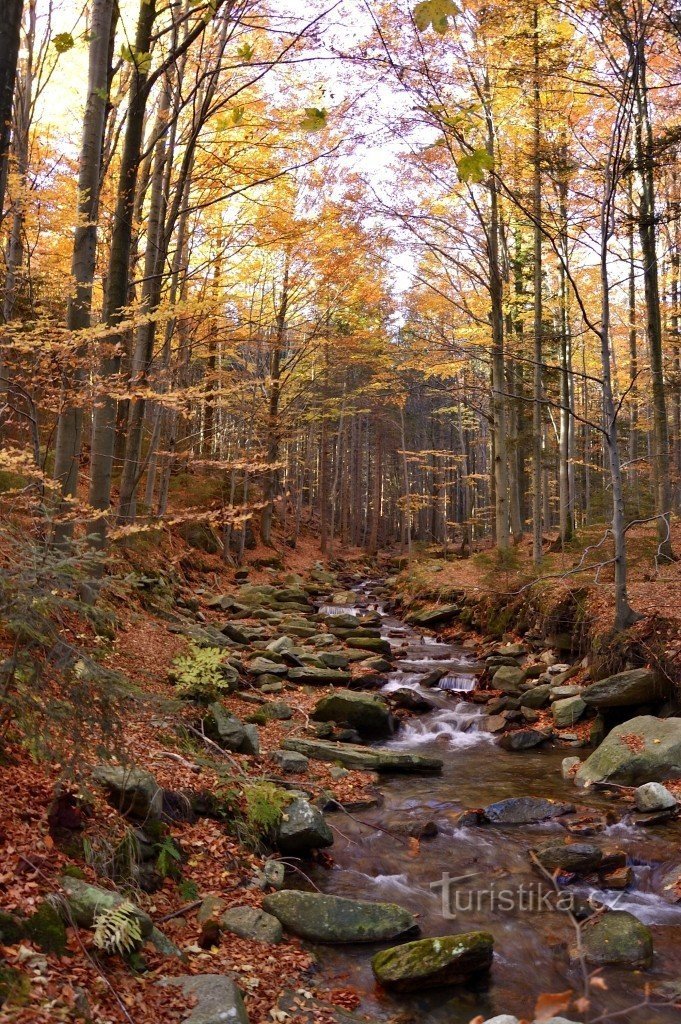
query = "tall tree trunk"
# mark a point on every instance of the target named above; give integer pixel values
(645, 153)
(498, 366)
(10, 37)
(537, 417)
(104, 418)
(83, 259)
(273, 427)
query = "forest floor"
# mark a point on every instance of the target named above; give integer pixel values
(78, 985)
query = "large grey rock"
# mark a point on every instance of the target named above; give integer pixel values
(290, 761)
(577, 858)
(321, 918)
(525, 810)
(86, 902)
(229, 732)
(261, 666)
(653, 796)
(617, 938)
(508, 679)
(537, 697)
(319, 676)
(252, 923)
(370, 758)
(369, 715)
(567, 711)
(430, 963)
(302, 828)
(411, 700)
(523, 739)
(433, 616)
(133, 791)
(644, 749)
(636, 686)
(218, 999)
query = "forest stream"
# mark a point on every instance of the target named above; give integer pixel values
(531, 946)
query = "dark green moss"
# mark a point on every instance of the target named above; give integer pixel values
(12, 928)
(47, 930)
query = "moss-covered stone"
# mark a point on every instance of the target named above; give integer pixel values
(643, 749)
(46, 929)
(427, 963)
(15, 986)
(617, 938)
(12, 928)
(321, 918)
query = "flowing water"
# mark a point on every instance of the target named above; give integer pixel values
(531, 942)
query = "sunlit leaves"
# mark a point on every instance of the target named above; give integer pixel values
(474, 166)
(131, 55)
(63, 42)
(246, 52)
(314, 120)
(436, 13)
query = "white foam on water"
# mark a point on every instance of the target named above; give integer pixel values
(457, 727)
(457, 684)
(339, 609)
(648, 907)
(410, 680)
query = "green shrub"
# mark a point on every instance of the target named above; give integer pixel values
(203, 674)
(54, 694)
(265, 804)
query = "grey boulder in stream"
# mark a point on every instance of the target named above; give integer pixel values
(525, 810)
(374, 759)
(321, 918)
(426, 963)
(370, 716)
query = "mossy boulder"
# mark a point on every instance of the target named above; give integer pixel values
(567, 711)
(302, 828)
(133, 791)
(229, 732)
(508, 679)
(15, 986)
(617, 938)
(373, 644)
(643, 749)
(429, 963)
(318, 676)
(46, 929)
(438, 616)
(369, 715)
(336, 919)
(200, 536)
(85, 902)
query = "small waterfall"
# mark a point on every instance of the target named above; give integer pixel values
(457, 684)
(458, 726)
(339, 609)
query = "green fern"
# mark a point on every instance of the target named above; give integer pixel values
(168, 858)
(117, 930)
(203, 674)
(265, 804)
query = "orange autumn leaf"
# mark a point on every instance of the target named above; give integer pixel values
(550, 1004)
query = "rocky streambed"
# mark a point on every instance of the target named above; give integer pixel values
(516, 842)
(501, 843)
